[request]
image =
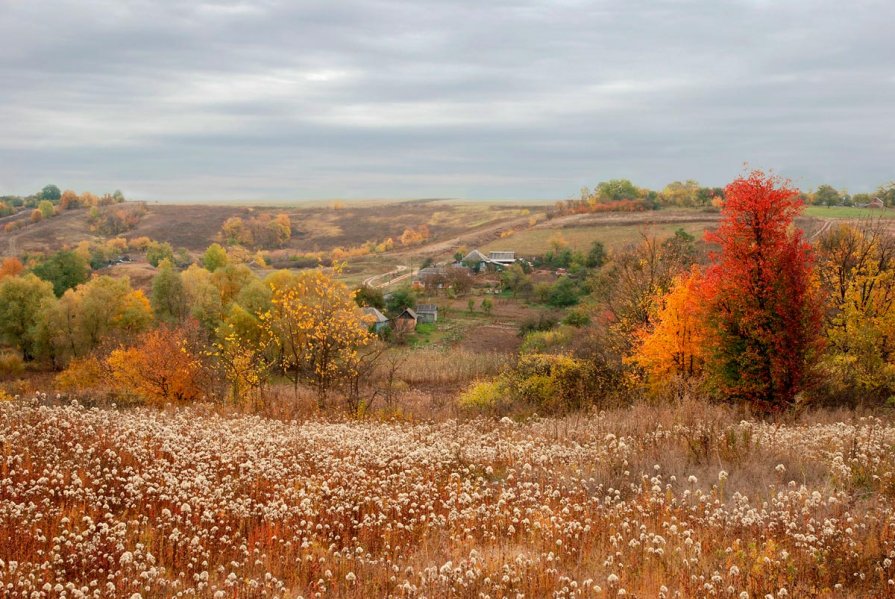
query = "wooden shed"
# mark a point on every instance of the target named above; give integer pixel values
(406, 320)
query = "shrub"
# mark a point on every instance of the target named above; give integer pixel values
(545, 383)
(11, 365)
(484, 396)
(540, 341)
(555, 383)
(563, 293)
(542, 323)
(83, 374)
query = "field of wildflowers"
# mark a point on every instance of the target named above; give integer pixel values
(688, 501)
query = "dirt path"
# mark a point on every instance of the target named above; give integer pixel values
(391, 277)
(827, 224)
(473, 238)
(12, 239)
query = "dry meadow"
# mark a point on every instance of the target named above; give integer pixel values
(685, 501)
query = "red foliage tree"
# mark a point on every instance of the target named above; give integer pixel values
(763, 307)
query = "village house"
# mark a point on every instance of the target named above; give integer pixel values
(504, 258)
(375, 319)
(875, 204)
(475, 260)
(426, 313)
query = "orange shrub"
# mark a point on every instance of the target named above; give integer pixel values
(160, 368)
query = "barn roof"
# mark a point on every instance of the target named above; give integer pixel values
(426, 309)
(502, 255)
(408, 312)
(376, 314)
(475, 256)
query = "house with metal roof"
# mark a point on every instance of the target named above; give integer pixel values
(502, 257)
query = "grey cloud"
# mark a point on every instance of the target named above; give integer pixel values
(517, 99)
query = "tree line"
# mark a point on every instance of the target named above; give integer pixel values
(621, 195)
(214, 330)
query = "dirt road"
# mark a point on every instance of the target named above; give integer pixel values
(475, 237)
(388, 278)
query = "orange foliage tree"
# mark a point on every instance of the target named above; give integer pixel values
(414, 236)
(11, 267)
(161, 367)
(672, 349)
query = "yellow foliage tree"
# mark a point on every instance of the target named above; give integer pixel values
(856, 267)
(671, 349)
(245, 353)
(414, 236)
(318, 330)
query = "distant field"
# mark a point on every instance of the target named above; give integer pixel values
(848, 212)
(539, 240)
(316, 227)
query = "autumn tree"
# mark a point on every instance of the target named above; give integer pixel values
(264, 230)
(318, 328)
(856, 269)
(246, 354)
(203, 297)
(413, 236)
(47, 209)
(103, 309)
(168, 299)
(64, 270)
(11, 267)
(162, 366)
(231, 279)
(69, 200)
(20, 303)
(157, 252)
(681, 193)
(763, 309)
(671, 350)
(214, 257)
(627, 287)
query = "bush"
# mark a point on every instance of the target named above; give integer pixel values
(544, 383)
(485, 396)
(540, 341)
(11, 365)
(554, 383)
(541, 323)
(577, 319)
(563, 293)
(83, 374)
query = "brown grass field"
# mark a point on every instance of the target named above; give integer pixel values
(680, 501)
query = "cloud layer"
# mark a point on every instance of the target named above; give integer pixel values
(274, 99)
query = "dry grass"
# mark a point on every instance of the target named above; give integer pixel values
(449, 367)
(689, 501)
(533, 242)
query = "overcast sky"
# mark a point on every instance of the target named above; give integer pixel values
(269, 99)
